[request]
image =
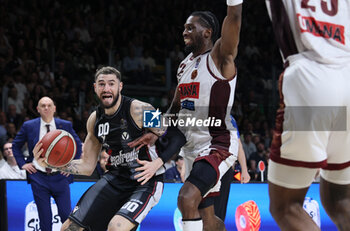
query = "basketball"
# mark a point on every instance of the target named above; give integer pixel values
(59, 148)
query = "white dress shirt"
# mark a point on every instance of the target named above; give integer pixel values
(43, 131)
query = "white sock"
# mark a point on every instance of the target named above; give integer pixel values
(192, 225)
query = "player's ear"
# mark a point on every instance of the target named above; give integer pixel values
(120, 86)
(95, 87)
(207, 33)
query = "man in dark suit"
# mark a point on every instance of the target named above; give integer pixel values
(45, 182)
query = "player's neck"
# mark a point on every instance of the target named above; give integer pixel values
(204, 50)
(112, 110)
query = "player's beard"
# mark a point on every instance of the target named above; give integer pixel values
(114, 102)
(197, 44)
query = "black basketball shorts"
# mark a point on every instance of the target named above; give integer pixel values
(121, 197)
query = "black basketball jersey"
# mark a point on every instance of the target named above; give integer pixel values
(115, 132)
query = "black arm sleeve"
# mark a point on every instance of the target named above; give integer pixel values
(170, 143)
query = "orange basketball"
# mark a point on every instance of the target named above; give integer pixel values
(59, 148)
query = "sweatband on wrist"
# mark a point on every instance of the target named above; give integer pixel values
(233, 2)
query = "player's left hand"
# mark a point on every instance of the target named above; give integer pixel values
(147, 139)
(245, 178)
(147, 170)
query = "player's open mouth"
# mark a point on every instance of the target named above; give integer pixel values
(107, 97)
(186, 40)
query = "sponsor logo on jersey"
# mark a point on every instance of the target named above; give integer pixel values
(321, 29)
(187, 104)
(75, 209)
(189, 90)
(124, 157)
(151, 118)
(125, 136)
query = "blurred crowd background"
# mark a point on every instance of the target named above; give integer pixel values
(53, 48)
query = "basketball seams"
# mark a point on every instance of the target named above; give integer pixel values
(62, 156)
(54, 142)
(70, 138)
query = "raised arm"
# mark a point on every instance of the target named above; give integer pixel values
(225, 49)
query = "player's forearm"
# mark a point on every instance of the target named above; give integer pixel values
(241, 157)
(231, 31)
(175, 141)
(78, 167)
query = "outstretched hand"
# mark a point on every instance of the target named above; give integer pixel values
(147, 170)
(147, 139)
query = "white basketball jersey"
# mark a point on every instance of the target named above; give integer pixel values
(321, 28)
(206, 101)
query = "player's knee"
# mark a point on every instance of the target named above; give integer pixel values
(186, 201)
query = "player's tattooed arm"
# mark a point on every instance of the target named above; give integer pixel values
(71, 168)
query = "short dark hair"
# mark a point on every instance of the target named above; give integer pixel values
(208, 20)
(178, 158)
(108, 70)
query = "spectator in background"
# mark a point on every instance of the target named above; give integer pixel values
(13, 99)
(176, 56)
(8, 165)
(11, 131)
(47, 77)
(133, 68)
(13, 116)
(149, 64)
(248, 146)
(103, 161)
(3, 131)
(260, 155)
(176, 174)
(44, 182)
(20, 86)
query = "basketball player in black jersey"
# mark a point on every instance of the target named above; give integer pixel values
(122, 198)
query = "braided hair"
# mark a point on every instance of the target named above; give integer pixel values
(208, 20)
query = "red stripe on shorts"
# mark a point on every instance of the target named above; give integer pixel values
(143, 208)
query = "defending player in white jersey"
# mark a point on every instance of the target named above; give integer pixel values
(207, 79)
(313, 122)
(203, 99)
